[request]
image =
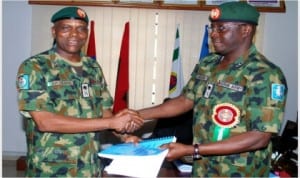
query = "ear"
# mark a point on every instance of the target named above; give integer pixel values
(53, 32)
(247, 30)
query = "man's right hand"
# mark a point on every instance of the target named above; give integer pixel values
(127, 121)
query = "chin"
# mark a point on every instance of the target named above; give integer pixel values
(74, 50)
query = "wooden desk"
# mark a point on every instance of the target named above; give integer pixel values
(168, 169)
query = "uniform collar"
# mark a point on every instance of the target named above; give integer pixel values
(239, 62)
(57, 60)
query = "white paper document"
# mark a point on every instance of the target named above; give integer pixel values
(141, 160)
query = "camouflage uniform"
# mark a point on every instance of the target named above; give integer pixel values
(46, 82)
(246, 85)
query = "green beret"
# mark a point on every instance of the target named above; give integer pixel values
(70, 13)
(235, 12)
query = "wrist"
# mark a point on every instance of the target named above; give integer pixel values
(119, 135)
(123, 137)
(196, 154)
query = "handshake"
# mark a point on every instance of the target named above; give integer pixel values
(126, 121)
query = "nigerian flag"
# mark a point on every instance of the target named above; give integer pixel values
(176, 78)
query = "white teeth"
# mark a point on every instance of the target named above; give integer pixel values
(73, 42)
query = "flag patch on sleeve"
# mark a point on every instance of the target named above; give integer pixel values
(23, 82)
(277, 91)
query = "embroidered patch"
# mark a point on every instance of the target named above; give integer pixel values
(277, 92)
(226, 115)
(23, 82)
(215, 13)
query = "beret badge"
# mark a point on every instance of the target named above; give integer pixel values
(215, 13)
(81, 13)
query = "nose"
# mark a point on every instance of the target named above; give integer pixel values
(73, 32)
(213, 34)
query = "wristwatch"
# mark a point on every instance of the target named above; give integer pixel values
(196, 155)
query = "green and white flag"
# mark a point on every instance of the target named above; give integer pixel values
(176, 78)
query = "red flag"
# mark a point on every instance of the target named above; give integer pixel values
(122, 86)
(91, 49)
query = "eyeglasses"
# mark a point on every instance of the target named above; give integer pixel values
(222, 28)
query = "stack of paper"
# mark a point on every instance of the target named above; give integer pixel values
(183, 167)
(137, 160)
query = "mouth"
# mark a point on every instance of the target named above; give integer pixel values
(217, 43)
(73, 42)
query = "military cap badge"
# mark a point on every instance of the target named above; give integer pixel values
(215, 13)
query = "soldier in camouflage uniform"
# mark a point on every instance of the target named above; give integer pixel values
(238, 98)
(65, 101)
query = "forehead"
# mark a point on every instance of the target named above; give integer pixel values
(76, 22)
(219, 23)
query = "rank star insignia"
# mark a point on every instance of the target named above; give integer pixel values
(226, 115)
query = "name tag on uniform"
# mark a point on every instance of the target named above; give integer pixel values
(85, 90)
(230, 86)
(60, 83)
(202, 77)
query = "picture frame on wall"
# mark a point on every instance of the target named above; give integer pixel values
(261, 5)
(204, 5)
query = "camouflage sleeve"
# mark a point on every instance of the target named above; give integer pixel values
(266, 101)
(31, 87)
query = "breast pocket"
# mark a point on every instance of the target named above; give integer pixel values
(96, 90)
(199, 88)
(63, 96)
(92, 104)
(62, 89)
(229, 92)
